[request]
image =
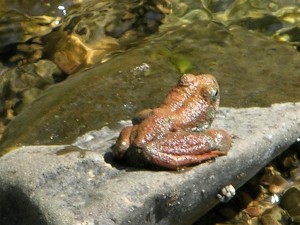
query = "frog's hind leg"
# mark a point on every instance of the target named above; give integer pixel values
(175, 162)
(180, 149)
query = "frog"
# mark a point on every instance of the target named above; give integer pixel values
(177, 134)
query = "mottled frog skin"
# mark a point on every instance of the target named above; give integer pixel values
(176, 134)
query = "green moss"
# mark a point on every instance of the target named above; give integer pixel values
(182, 63)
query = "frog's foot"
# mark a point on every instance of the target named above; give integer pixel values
(180, 149)
(122, 143)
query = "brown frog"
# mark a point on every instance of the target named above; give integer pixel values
(176, 134)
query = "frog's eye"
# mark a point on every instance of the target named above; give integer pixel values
(214, 94)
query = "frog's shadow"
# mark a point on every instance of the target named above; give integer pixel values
(126, 165)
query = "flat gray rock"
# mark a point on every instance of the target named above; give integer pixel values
(81, 184)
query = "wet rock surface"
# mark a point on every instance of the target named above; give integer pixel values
(81, 184)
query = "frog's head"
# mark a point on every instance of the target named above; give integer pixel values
(205, 86)
(210, 89)
(204, 96)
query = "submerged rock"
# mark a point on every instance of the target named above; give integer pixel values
(93, 30)
(278, 19)
(19, 28)
(20, 36)
(80, 184)
(248, 66)
(20, 86)
(88, 31)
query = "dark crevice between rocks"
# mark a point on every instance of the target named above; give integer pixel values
(17, 209)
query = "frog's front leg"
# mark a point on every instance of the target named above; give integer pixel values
(180, 149)
(123, 142)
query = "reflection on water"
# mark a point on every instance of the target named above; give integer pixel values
(39, 8)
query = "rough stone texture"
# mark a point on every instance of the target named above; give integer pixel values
(69, 185)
